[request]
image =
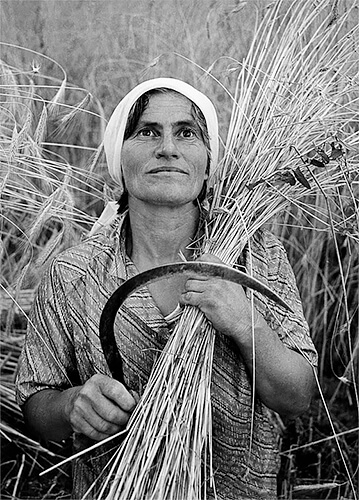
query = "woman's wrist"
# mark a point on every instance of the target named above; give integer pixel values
(254, 327)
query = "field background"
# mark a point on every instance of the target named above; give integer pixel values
(106, 47)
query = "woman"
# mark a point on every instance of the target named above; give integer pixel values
(161, 146)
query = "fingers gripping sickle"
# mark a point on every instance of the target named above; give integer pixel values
(107, 335)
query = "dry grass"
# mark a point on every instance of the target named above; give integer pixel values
(48, 200)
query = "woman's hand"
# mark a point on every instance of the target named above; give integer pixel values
(224, 303)
(100, 408)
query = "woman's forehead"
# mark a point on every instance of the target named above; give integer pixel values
(169, 105)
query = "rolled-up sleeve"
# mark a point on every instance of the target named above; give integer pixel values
(48, 359)
(269, 263)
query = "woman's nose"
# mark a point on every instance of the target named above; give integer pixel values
(167, 147)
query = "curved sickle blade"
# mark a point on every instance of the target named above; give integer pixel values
(107, 335)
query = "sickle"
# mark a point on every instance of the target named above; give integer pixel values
(107, 334)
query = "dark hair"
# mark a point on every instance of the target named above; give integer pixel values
(134, 116)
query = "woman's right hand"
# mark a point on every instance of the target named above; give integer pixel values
(99, 408)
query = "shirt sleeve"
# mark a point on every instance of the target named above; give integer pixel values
(268, 261)
(47, 360)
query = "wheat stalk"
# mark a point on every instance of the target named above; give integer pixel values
(40, 191)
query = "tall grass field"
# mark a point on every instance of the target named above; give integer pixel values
(284, 77)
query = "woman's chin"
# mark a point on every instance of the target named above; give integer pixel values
(167, 198)
(171, 202)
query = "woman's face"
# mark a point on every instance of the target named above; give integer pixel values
(164, 160)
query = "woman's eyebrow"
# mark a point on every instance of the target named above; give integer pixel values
(187, 123)
(180, 123)
(145, 123)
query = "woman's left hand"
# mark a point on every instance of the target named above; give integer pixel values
(224, 303)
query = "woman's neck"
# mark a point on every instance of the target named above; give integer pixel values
(159, 234)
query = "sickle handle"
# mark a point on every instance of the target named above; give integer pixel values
(107, 320)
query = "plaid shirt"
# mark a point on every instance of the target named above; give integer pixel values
(62, 349)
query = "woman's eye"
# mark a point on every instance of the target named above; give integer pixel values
(187, 133)
(146, 132)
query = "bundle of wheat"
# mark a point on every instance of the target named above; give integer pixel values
(289, 135)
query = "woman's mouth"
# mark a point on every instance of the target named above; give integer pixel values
(164, 169)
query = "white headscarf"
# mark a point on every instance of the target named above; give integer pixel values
(115, 130)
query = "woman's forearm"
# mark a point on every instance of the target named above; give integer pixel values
(284, 379)
(46, 415)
